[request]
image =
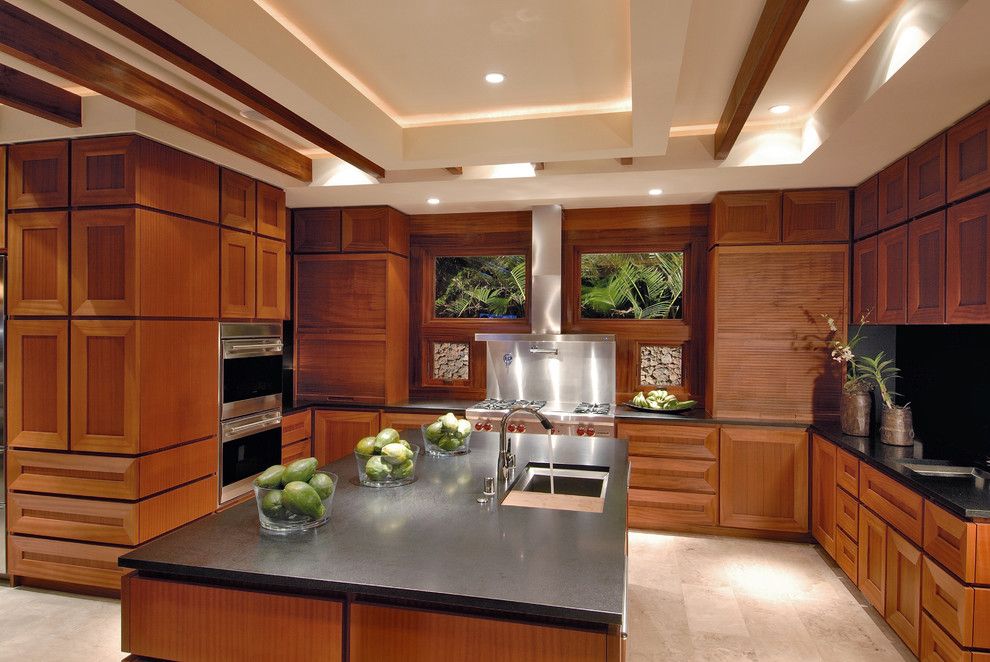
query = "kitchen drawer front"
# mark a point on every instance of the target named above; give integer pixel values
(73, 474)
(948, 601)
(653, 509)
(847, 513)
(675, 441)
(297, 451)
(655, 473)
(937, 646)
(847, 555)
(981, 618)
(62, 561)
(296, 427)
(897, 505)
(951, 541)
(847, 472)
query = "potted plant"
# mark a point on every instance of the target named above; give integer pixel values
(896, 426)
(856, 403)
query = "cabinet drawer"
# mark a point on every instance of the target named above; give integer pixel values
(297, 451)
(674, 441)
(847, 555)
(657, 473)
(653, 509)
(981, 618)
(847, 472)
(951, 541)
(937, 646)
(948, 601)
(296, 427)
(62, 561)
(896, 504)
(847, 513)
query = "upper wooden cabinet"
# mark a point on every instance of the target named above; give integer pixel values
(967, 277)
(38, 273)
(316, 230)
(3, 197)
(374, 229)
(865, 215)
(270, 289)
(926, 177)
(764, 478)
(104, 263)
(926, 270)
(815, 216)
(745, 218)
(823, 493)
(124, 170)
(892, 194)
(336, 432)
(271, 211)
(892, 256)
(864, 303)
(237, 200)
(342, 293)
(38, 175)
(237, 274)
(968, 155)
(37, 384)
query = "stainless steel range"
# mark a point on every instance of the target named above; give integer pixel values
(580, 419)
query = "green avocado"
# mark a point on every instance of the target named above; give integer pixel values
(404, 470)
(366, 446)
(300, 470)
(300, 498)
(323, 484)
(271, 505)
(270, 478)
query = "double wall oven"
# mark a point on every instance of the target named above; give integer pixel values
(250, 404)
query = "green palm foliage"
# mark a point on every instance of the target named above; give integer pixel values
(632, 285)
(480, 286)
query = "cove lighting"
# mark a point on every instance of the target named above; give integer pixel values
(780, 109)
(433, 201)
(494, 78)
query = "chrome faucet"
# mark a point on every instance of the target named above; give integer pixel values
(506, 458)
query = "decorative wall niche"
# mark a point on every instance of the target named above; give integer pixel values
(661, 365)
(451, 361)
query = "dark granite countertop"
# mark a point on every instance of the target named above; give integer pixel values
(430, 542)
(442, 406)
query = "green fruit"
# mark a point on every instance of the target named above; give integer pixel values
(323, 484)
(434, 431)
(404, 470)
(299, 498)
(385, 437)
(395, 454)
(271, 477)
(377, 470)
(366, 446)
(450, 443)
(271, 505)
(405, 443)
(463, 428)
(449, 422)
(300, 471)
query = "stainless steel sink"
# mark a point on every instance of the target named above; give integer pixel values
(936, 470)
(575, 488)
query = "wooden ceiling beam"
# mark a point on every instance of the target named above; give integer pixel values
(455, 170)
(26, 37)
(123, 21)
(777, 22)
(33, 95)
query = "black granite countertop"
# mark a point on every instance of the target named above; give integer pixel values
(430, 542)
(442, 406)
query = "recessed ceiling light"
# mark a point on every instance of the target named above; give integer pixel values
(780, 109)
(494, 78)
(433, 201)
(655, 191)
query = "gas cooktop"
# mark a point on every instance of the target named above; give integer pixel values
(493, 404)
(590, 408)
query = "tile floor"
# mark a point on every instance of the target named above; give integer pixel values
(690, 598)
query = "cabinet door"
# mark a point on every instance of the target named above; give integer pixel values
(873, 558)
(926, 270)
(3, 197)
(237, 200)
(903, 589)
(865, 280)
(815, 216)
(926, 177)
(823, 493)
(38, 384)
(345, 293)
(38, 273)
(237, 274)
(968, 155)
(38, 175)
(336, 432)
(297, 427)
(892, 276)
(104, 263)
(407, 421)
(270, 290)
(103, 171)
(937, 646)
(316, 230)
(967, 274)
(271, 211)
(374, 229)
(764, 478)
(340, 368)
(892, 194)
(178, 266)
(865, 214)
(745, 218)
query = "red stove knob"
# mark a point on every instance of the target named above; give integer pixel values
(487, 427)
(590, 431)
(512, 427)
(521, 428)
(580, 432)
(553, 431)
(478, 426)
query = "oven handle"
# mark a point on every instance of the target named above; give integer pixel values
(233, 349)
(232, 433)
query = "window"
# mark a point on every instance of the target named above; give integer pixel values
(480, 287)
(632, 285)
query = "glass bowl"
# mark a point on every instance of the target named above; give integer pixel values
(274, 515)
(385, 471)
(448, 443)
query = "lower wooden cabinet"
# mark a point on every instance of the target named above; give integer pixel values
(823, 493)
(38, 384)
(657, 509)
(297, 451)
(873, 558)
(65, 562)
(937, 646)
(948, 601)
(847, 555)
(297, 426)
(847, 513)
(336, 432)
(903, 589)
(408, 421)
(952, 541)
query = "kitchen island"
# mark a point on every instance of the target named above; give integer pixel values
(420, 572)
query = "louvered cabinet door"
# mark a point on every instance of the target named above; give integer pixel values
(967, 274)
(865, 208)
(968, 155)
(892, 257)
(926, 270)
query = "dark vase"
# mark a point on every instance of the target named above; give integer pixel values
(854, 412)
(896, 428)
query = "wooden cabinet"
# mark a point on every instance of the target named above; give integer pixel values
(937, 646)
(873, 558)
(968, 155)
(764, 478)
(752, 217)
(815, 216)
(865, 208)
(105, 263)
(903, 589)
(847, 555)
(847, 472)
(38, 175)
(336, 432)
(926, 270)
(270, 288)
(271, 211)
(38, 273)
(865, 258)
(3, 197)
(948, 601)
(898, 505)
(823, 493)
(316, 230)
(237, 200)
(951, 541)
(967, 277)
(408, 421)
(892, 260)
(374, 230)
(892, 194)
(65, 562)
(37, 384)
(296, 427)
(926, 177)
(237, 274)
(847, 513)
(105, 170)
(299, 450)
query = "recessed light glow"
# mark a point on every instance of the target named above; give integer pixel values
(433, 201)
(494, 78)
(780, 109)
(655, 191)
